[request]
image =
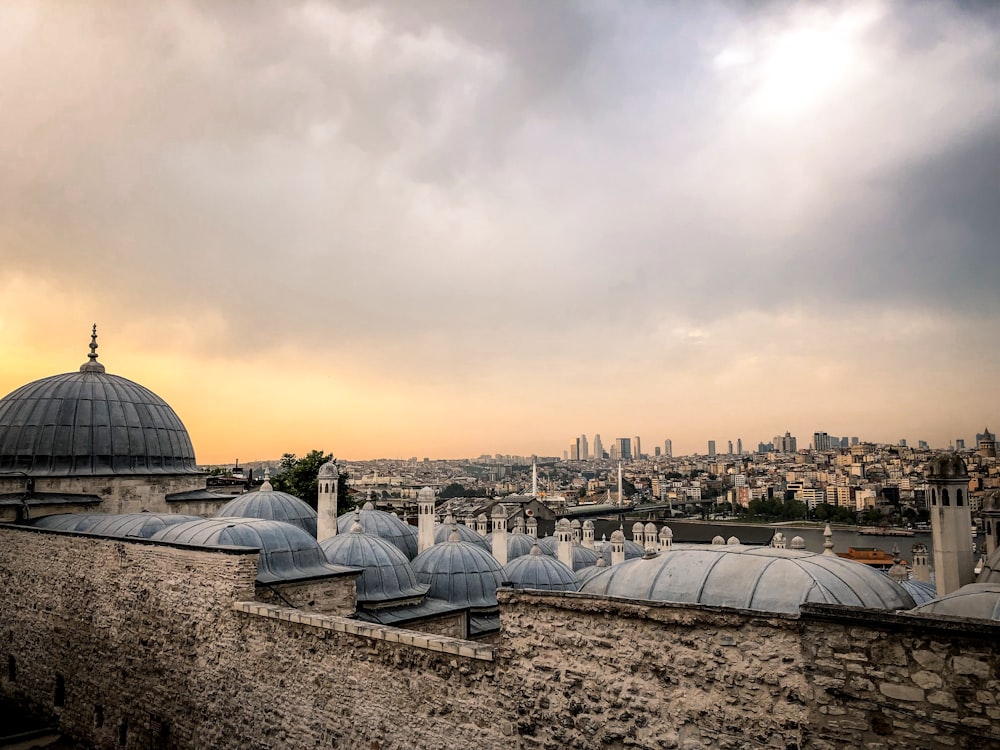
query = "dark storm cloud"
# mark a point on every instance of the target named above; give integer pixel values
(441, 179)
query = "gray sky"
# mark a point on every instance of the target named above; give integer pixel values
(491, 226)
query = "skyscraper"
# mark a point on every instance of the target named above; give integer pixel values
(574, 449)
(729, 452)
(668, 448)
(584, 448)
(739, 446)
(624, 446)
(598, 447)
(636, 450)
(711, 447)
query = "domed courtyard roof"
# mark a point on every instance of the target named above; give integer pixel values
(978, 600)
(539, 571)
(271, 505)
(758, 578)
(90, 423)
(387, 573)
(286, 552)
(460, 573)
(384, 525)
(465, 534)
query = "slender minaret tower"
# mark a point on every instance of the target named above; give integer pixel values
(651, 543)
(326, 500)
(991, 521)
(534, 478)
(588, 534)
(564, 542)
(621, 496)
(951, 521)
(576, 527)
(921, 568)
(425, 519)
(617, 547)
(499, 517)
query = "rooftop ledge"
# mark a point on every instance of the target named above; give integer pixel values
(426, 641)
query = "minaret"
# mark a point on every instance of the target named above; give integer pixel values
(564, 542)
(499, 517)
(425, 519)
(326, 499)
(921, 570)
(617, 547)
(575, 527)
(621, 497)
(588, 534)
(534, 478)
(951, 521)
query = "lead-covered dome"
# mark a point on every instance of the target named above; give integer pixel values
(947, 466)
(384, 525)
(539, 571)
(91, 423)
(387, 575)
(977, 600)
(272, 505)
(287, 552)
(460, 573)
(757, 578)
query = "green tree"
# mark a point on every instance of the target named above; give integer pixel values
(298, 476)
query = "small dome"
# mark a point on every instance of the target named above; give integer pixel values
(387, 573)
(538, 571)
(583, 557)
(637, 527)
(980, 601)
(733, 540)
(287, 552)
(756, 578)
(947, 466)
(991, 502)
(650, 528)
(465, 534)
(575, 524)
(666, 533)
(618, 537)
(271, 505)
(718, 540)
(796, 543)
(460, 573)
(425, 495)
(517, 545)
(384, 525)
(329, 470)
(548, 545)
(80, 522)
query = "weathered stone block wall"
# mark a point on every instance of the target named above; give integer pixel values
(139, 630)
(334, 596)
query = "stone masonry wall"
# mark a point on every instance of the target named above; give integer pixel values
(145, 635)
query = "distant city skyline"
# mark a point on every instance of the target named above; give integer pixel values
(446, 229)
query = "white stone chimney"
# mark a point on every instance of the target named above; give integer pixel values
(499, 517)
(564, 542)
(326, 500)
(425, 519)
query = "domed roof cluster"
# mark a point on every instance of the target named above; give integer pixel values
(465, 534)
(91, 423)
(387, 526)
(517, 544)
(947, 466)
(287, 552)
(271, 505)
(764, 579)
(386, 573)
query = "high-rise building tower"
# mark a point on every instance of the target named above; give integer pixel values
(986, 444)
(668, 448)
(739, 446)
(951, 519)
(636, 450)
(584, 448)
(598, 447)
(574, 449)
(821, 441)
(624, 446)
(711, 447)
(729, 452)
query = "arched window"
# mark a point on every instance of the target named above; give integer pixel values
(933, 497)
(945, 500)
(60, 696)
(958, 498)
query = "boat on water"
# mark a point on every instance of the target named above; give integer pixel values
(884, 531)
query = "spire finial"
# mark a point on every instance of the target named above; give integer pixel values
(92, 365)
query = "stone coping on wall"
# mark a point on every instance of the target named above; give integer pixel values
(930, 624)
(426, 641)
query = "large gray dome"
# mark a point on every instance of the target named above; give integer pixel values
(269, 504)
(465, 534)
(460, 573)
(287, 552)
(758, 578)
(90, 423)
(539, 571)
(978, 600)
(122, 525)
(384, 525)
(387, 573)
(517, 544)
